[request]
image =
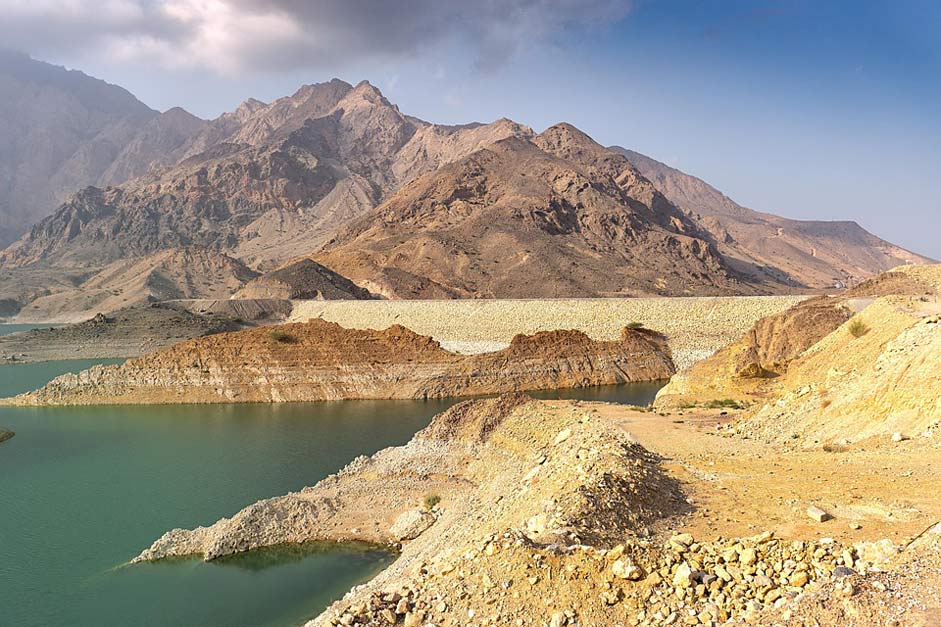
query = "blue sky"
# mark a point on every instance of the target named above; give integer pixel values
(823, 110)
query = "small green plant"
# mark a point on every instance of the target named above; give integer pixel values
(431, 500)
(635, 325)
(858, 328)
(724, 403)
(283, 337)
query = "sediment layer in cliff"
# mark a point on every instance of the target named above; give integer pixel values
(319, 360)
(749, 370)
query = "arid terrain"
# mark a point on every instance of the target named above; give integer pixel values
(511, 511)
(515, 511)
(319, 361)
(328, 246)
(155, 206)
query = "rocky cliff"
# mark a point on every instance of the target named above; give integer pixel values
(319, 360)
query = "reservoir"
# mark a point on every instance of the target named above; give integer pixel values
(85, 489)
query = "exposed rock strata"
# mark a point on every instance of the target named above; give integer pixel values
(319, 360)
(744, 370)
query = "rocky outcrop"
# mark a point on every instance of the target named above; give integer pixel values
(304, 279)
(5, 435)
(509, 448)
(739, 372)
(745, 371)
(319, 360)
(876, 375)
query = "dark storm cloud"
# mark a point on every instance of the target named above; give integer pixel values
(238, 35)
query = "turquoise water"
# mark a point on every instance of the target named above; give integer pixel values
(83, 490)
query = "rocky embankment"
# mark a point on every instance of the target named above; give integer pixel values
(320, 360)
(509, 511)
(125, 333)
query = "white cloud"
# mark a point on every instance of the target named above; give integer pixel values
(231, 36)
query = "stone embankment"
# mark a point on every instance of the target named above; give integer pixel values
(320, 360)
(694, 327)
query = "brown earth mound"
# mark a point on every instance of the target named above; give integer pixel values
(304, 280)
(319, 360)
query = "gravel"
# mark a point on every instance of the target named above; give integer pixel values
(696, 327)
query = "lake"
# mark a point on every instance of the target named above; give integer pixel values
(83, 490)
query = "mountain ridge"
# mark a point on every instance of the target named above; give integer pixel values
(270, 183)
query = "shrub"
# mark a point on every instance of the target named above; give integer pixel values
(635, 325)
(724, 403)
(431, 500)
(283, 338)
(858, 328)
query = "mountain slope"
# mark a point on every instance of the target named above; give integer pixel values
(59, 130)
(174, 273)
(272, 182)
(815, 254)
(555, 216)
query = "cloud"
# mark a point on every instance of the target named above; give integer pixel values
(232, 36)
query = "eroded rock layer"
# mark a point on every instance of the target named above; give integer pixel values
(319, 360)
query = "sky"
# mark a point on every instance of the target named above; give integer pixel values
(807, 109)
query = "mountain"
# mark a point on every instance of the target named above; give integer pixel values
(409, 209)
(800, 252)
(271, 181)
(551, 216)
(169, 274)
(59, 131)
